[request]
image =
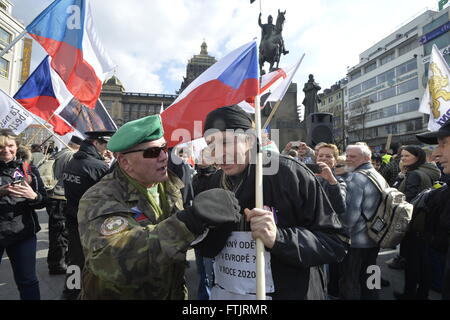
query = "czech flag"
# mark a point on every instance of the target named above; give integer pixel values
(66, 31)
(43, 93)
(229, 81)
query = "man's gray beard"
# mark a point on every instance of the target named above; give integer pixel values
(349, 169)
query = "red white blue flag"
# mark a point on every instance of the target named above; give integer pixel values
(65, 30)
(43, 94)
(230, 80)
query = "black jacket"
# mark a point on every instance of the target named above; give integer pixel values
(418, 180)
(18, 219)
(309, 233)
(85, 169)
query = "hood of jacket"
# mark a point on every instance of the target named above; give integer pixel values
(431, 170)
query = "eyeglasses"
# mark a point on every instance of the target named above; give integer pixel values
(152, 152)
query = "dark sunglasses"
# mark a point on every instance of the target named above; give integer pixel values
(340, 166)
(152, 152)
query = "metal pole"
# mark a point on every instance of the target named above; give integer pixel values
(20, 36)
(260, 272)
(52, 133)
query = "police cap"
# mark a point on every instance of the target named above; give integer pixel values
(432, 137)
(99, 135)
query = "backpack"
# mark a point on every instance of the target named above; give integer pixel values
(45, 169)
(390, 222)
(426, 223)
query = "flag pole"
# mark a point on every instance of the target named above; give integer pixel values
(260, 272)
(42, 124)
(36, 134)
(272, 113)
(20, 36)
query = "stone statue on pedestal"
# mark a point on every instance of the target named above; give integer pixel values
(311, 101)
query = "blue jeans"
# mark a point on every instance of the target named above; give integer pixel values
(23, 261)
(206, 274)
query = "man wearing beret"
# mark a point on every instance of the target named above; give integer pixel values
(438, 201)
(299, 228)
(133, 228)
(85, 169)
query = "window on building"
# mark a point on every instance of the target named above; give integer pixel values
(408, 106)
(4, 68)
(369, 84)
(389, 57)
(3, 6)
(330, 99)
(441, 42)
(408, 86)
(386, 76)
(406, 67)
(386, 94)
(390, 75)
(435, 23)
(5, 37)
(355, 105)
(389, 111)
(408, 47)
(354, 90)
(391, 128)
(355, 75)
(370, 67)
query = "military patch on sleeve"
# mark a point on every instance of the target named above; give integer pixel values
(113, 225)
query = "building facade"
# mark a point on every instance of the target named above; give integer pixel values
(127, 106)
(385, 88)
(12, 74)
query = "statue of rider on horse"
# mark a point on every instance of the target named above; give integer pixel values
(272, 44)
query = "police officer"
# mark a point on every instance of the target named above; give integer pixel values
(85, 169)
(438, 202)
(133, 228)
(56, 205)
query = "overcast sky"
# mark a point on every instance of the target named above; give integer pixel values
(152, 40)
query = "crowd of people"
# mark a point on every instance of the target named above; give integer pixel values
(125, 210)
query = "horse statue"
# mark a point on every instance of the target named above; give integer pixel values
(272, 44)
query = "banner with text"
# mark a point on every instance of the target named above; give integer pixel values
(235, 265)
(12, 115)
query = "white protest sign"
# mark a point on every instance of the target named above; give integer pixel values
(12, 115)
(235, 265)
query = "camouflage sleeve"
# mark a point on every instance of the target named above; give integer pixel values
(117, 249)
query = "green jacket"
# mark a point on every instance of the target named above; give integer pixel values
(130, 252)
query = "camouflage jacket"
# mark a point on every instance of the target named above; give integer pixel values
(130, 252)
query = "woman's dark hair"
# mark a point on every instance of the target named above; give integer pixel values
(419, 153)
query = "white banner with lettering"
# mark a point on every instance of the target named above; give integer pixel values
(12, 115)
(235, 269)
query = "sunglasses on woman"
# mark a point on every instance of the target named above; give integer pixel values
(340, 166)
(151, 152)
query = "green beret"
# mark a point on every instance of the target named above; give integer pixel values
(135, 132)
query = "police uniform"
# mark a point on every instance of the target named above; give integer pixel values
(56, 205)
(85, 169)
(135, 240)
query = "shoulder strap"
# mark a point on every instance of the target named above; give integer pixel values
(371, 178)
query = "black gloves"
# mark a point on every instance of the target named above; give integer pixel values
(211, 208)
